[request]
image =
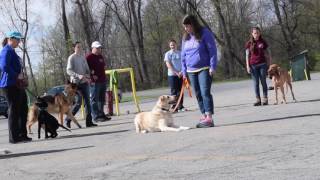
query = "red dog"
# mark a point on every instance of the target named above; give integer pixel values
(279, 78)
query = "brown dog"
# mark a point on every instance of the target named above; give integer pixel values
(60, 103)
(280, 77)
(159, 119)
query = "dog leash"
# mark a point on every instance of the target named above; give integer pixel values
(185, 85)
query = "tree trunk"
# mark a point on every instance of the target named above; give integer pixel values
(137, 23)
(67, 38)
(230, 51)
(24, 45)
(283, 29)
(85, 20)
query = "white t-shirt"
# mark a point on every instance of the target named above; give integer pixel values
(174, 58)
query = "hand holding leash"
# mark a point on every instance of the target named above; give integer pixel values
(185, 84)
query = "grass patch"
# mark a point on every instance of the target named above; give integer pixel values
(139, 98)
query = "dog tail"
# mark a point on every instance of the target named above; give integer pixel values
(65, 128)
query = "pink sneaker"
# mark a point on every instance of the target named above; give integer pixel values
(203, 118)
(207, 122)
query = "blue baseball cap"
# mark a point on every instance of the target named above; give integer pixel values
(14, 34)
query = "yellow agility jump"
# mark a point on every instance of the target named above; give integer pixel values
(113, 82)
(113, 78)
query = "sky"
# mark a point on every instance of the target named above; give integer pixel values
(42, 15)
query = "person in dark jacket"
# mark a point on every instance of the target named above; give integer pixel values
(11, 72)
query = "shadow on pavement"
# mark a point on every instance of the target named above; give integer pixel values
(233, 105)
(114, 124)
(90, 134)
(272, 119)
(8, 156)
(311, 100)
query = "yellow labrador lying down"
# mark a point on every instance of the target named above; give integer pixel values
(159, 119)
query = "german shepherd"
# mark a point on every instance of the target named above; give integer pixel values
(60, 103)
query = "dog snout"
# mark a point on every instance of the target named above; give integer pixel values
(172, 99)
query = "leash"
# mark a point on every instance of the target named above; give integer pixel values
(185, 85)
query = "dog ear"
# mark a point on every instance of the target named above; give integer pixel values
(278, 70)
(73, 85)
(162, 98)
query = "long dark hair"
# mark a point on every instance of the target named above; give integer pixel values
(4, 42)
(192, 20)
(252, 41)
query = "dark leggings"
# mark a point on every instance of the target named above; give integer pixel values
(17, 112)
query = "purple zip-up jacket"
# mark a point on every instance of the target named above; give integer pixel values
(199, 54)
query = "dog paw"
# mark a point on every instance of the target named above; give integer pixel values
(275, 103)
(144, 131)
(184, 128)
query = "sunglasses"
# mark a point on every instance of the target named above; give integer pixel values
(18, 39)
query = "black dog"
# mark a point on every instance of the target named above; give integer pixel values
(45, 119)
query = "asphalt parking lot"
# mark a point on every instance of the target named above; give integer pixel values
(267, 142)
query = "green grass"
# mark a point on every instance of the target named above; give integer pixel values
(130, 98)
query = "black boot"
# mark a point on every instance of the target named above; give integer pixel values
(265, 101)
(258, 102)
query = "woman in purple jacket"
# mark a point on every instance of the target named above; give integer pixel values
(199, 62)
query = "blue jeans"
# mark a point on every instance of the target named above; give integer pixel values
(83, 92)
(201, 83)
(259, 74)
(97, 97)
(175, 84)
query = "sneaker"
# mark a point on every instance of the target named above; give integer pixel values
(258, 103)
(91, 125)
(265, 101)
(102, 118)
(99, 119)
(106, 117)
(206, 123)
(203, 118)
(182, 110)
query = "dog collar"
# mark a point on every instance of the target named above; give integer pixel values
(164, 109)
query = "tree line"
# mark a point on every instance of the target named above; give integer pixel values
(135, 34)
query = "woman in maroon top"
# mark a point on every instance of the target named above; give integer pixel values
(258, 60)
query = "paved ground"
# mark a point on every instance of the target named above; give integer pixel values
(269, 142)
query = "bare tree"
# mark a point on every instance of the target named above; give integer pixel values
(288, 22)
(25, 55)
(67, 37)
(86, 20)
(133, 22)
